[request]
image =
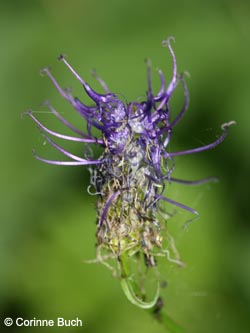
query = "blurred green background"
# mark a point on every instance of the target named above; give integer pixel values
(47, 217)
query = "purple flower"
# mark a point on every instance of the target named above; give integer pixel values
(130, 175)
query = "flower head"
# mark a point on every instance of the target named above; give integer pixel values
(130, 175)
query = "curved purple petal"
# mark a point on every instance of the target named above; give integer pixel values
(175, 203)
(212, 145)
(68, 163)
(92, 94)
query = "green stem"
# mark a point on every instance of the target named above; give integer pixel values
(129, 292)
(154, 307)
(164, 319)
(131, 289)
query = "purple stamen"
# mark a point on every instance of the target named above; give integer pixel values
(73, 101)
(92, 94)
(87, 113)
(149, 77)
(172, 83)
(65, 122)
(167, 139)
(212, 145)
(61, 91)
(195, 182)
(68, 163)
(185, 105)
(107, 206)
(175, 203)
(160, 94)
(100, 80)
(62, 150)
(62, 136)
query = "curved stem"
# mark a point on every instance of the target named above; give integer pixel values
(132, 297)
